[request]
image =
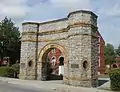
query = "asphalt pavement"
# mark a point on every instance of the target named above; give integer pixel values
(7, 87)
(17, 85)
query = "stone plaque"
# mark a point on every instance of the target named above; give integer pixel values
(74, 65)
(22, 65)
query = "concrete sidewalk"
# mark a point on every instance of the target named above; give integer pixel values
(55, 86)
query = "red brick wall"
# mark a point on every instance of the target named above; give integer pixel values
(101, 53)
(55, 53)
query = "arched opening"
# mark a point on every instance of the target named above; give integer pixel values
(85, 64)
(50, 64)
(30, 63)
(61, 66)
(61, 61)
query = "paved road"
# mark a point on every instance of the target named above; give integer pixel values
(6, 87)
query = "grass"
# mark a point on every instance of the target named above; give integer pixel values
(3, 71)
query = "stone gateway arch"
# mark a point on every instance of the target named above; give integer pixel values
(75, 38)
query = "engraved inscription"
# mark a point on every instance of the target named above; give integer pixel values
(74, 65)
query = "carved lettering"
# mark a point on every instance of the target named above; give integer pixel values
(74, 65)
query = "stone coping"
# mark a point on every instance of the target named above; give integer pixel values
(83, 11)
(52, 21)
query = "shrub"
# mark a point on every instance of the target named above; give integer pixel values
(16, 68)
(115, 79)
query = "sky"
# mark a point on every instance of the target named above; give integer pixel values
(108, 12)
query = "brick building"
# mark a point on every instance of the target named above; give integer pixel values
(54, 55)
(101, 54)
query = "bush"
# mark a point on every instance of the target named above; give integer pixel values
(11, 72)
(115, 79)
(6, 72)
(16, 68)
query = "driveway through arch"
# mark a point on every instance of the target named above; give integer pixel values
(51, 68)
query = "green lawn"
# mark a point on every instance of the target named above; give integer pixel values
(3, 71)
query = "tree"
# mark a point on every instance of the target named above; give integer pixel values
(109, 54)
(10, 39)
(118, 50)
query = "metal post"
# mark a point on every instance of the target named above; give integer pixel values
(36, 52)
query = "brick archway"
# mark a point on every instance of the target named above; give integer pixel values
(48, 47)
(43, 58)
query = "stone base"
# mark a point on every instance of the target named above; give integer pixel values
(78, 83)
(26, 77)
(30, 77)
(39, 77)
(22, 77)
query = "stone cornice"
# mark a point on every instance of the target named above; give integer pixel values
(52, 21)
(34, 23)
(64, 38)
(43, 40)
(46, 32)
(82, 11)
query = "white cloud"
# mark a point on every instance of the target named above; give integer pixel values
(108, 20)
(13, 8)
(52, 9)
(14, 11)
(13, 2)
(106, 9)
(72, 4)
(17, 9)
(114, 11)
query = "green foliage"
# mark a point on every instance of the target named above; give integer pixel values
(12, 71)
(6, 72)
(109, 53)
(10, 40)
(115, 79)
(118, 51)
(16, 67)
